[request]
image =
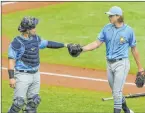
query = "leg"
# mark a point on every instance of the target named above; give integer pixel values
(121, 70)
(32, 104)
(17, 105)
(34, 88)
(22, 84)
(124, 106)
(110, 75)
(33, 94)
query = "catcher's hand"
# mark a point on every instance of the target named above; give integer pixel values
(74, 49)
(140, 79)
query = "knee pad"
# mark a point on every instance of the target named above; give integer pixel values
(33, 103)
(17, 105)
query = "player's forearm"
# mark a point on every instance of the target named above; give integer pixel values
(136, 58)
(55, 45)
(91, 46)
(11, 64)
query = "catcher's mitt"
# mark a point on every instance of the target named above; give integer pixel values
(74, 49)
(140, 79)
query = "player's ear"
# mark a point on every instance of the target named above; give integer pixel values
(120, 19)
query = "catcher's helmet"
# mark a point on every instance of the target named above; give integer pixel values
(27, 23)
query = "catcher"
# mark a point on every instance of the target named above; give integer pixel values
(118, 37)
(23, 57)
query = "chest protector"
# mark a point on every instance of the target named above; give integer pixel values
(30, 56)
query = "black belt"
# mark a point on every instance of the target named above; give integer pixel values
(25, 71)
(114, 60)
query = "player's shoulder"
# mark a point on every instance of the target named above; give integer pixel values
(108, 26)
(38, 38)
(129, 28)
(16, 44)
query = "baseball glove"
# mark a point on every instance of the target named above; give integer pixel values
(140, 79)
(74, 49)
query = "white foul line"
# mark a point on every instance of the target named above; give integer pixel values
(76, 77)
(5, 3)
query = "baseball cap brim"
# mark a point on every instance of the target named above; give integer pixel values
(109, 13)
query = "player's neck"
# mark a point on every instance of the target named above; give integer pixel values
(25, 35)
(119, 24)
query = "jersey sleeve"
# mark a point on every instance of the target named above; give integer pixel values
(101, 36)
(43, 44)
(14, 48)
(132, 39)
(50, 44)
(12, 54)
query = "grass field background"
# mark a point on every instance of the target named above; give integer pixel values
(59, 99)
(78, 22)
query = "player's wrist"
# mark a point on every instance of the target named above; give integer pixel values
(11, 73)
(140, 69)
(85, 49)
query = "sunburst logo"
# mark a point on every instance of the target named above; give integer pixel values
(122, 39)
(32, 49)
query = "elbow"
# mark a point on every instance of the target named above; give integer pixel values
(134, 49)
(98, 46)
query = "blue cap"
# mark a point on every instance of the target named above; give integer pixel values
(115, 10)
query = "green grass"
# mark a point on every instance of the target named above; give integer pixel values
(78, 22)
(60, 99)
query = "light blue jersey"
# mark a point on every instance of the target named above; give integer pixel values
(16, 54)
(117, 40)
